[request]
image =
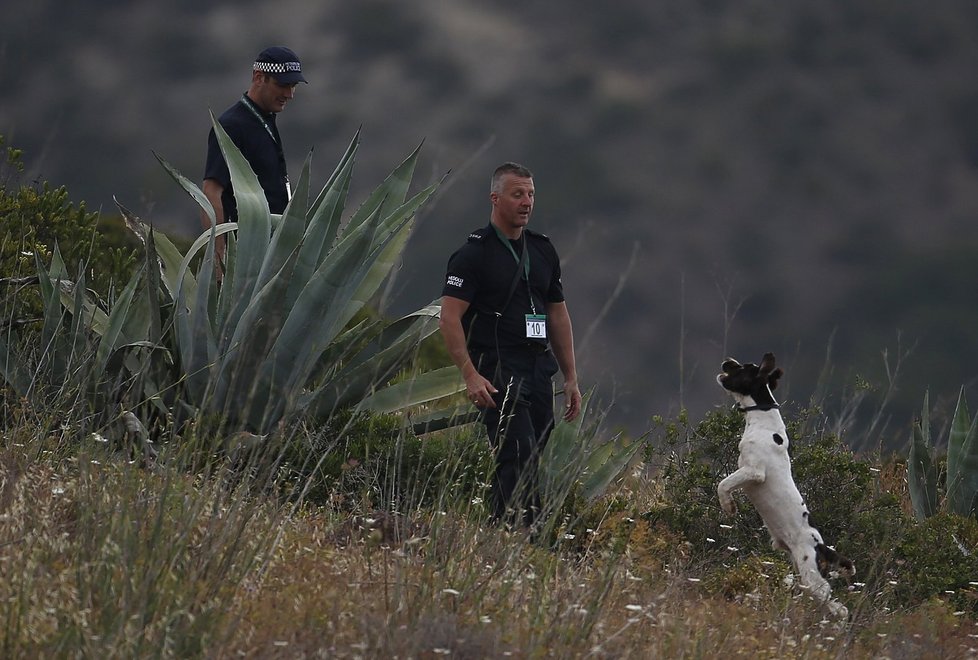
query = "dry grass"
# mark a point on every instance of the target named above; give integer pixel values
(100, 558)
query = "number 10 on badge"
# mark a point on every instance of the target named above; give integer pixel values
(536, 326)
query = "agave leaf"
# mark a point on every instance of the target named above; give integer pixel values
(376, 363)
(346, 345)
(564, 455)
(14, 373)
(386, 258)
(444, 418)
(167, 253)
(340, 173)
(53, 314)
(80, 322)
(190, 187)
(315, 318)
(426, 387)
(352, 300)
(311, 324)
(601, 473)
(921, 469)
(388, 195)
(405, 332)
(243, 384)
(288, 235)
(195, 336)
(58, 269)
(113, 336)
(962, 460)
(254, 223)
(152, 291)
(323, 226)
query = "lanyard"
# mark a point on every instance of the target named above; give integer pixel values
(522, 258)
(509, 246)
(268, 129)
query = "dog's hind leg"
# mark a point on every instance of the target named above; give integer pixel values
(743, 477)
(812, 581)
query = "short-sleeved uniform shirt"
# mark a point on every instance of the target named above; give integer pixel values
(481, 273)
(260, 146)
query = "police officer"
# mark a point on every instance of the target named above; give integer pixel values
(506, 326)
(250, 123)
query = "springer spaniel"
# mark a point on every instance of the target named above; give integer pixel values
(764, 474)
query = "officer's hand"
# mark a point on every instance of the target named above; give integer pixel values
(480, 391)
(572, 405)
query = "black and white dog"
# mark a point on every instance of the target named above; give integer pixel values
(764, 474)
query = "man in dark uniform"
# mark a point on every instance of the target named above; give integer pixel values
(250, 123)
(506, 326)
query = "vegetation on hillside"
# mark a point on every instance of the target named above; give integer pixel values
(810, 165)
(349, 535)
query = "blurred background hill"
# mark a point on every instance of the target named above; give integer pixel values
(720, 177)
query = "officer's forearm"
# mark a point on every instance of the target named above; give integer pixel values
(562, 341)
(213, 191)
(454, 336)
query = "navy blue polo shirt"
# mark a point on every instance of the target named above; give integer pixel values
(261, 147)
(481, 273)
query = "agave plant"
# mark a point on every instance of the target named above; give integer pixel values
(961, 479)
(573, 457)
(276, 338)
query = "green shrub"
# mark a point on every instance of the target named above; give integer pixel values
(370, 461)
(693, 460)
(34, 217)
(937, 557)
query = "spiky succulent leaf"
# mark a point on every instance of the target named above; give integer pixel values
(563, 458)
(168, 255)
(962, 461)
(289, 232)
(190, 187)
(374, 364)
(441, 419)
(388, 195)
(606, 464)
(113, 336)
(426, 387)
(246, 381)
(254, 224)
(399, 224)
(921, 467)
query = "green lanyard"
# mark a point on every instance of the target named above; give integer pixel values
(509, 246)
(268, 129)
(525, 254)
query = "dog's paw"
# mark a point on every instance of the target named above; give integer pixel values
(728, 505)
(837, 610)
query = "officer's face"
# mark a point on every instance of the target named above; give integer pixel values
(269, 94)
(513, 204)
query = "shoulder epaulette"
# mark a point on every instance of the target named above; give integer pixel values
(478, 235)
(537, 234)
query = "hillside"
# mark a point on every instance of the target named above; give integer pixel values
(786, 176)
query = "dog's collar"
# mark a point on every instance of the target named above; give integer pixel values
(760, 406)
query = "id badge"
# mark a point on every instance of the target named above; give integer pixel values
(536, 326)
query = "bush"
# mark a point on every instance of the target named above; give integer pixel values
(371, 461)
(33, 218)
(695, 458)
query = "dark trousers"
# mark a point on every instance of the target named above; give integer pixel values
(518, 427)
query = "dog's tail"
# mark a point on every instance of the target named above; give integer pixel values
(829, 561)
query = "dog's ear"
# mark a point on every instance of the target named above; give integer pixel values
(729, 365)
(767, 363)
(772, 380)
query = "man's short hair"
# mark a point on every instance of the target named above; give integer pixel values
(508, 168)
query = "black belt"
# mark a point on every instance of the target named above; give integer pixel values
(535, 347)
